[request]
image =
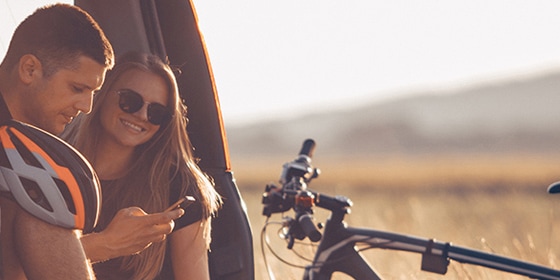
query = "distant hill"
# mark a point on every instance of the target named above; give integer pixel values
(521, 115)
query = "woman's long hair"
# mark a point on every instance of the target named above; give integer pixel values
(146, 183)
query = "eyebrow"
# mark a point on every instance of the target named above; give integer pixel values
(85, 86)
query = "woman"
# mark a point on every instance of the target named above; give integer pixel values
(136, 139)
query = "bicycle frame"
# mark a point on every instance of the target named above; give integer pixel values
(337, 250)
(337, 253)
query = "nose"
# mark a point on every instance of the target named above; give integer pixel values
(85, 103)
(143, 112)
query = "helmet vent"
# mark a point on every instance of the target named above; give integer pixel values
(34, 192)
(4, 162)
(66, 194)
(25, 153)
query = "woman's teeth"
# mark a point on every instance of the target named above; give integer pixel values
(132, 126)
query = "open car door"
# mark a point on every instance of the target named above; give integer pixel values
(169, 29)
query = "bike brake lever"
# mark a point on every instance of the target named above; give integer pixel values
(291, 242)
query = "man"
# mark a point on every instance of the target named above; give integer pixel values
(56, 60)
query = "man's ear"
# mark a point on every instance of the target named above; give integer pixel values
(29, 68)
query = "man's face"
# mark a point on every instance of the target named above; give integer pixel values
(56, 100)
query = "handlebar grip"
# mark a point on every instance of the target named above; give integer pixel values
(307, 148)
(308, 226)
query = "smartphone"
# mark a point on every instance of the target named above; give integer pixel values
(183, 202)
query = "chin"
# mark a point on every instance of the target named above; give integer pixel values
(56, 130)
(59, 129)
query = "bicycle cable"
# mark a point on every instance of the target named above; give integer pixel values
(266, 241)
(263, 237)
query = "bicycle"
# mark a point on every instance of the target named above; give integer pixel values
(338, 250)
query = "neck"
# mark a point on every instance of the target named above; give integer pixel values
(112, 161)
(4, 79)
(12, 94)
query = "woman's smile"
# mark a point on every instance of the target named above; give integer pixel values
(132, 126)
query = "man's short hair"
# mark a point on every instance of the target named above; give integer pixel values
(58, 35)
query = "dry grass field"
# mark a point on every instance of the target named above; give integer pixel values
(491, 203)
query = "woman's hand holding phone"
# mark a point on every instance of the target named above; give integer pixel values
(183, 203)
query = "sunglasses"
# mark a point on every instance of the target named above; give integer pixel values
(131, 102)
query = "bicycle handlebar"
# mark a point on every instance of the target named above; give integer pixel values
(307, 148)
(293, 194)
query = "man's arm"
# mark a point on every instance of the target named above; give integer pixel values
(47, 251)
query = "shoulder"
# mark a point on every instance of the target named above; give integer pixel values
(193, 212)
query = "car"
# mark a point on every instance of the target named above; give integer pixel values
(169, 29)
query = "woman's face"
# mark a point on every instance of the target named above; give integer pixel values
(132, 129)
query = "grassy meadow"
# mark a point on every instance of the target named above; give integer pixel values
(494, 203)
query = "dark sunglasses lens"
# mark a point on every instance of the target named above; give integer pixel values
(158, 114)
(130, 101)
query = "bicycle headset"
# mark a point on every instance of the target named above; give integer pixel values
(47, 177)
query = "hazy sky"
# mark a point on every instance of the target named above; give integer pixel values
(277, 58)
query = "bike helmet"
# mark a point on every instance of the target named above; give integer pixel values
(47, 177)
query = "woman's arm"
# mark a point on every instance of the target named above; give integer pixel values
(189, 254)
(130, 231)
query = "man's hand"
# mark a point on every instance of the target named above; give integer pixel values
(131, 231)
